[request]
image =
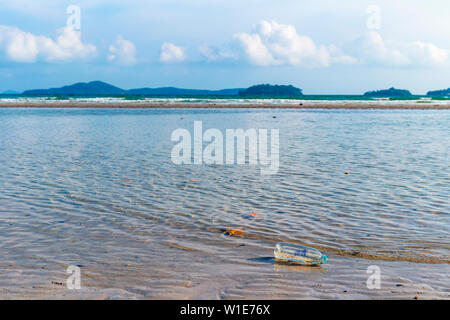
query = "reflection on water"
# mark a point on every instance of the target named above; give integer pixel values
(98, 188)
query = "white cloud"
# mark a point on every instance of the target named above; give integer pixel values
(272, 43)
(337, 56)
(428, 54)
(122, 52)
(373, 49)
(171, 53)
(255, 50)
(21, 46)
(214, 54)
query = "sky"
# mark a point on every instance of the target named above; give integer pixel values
(322, 47)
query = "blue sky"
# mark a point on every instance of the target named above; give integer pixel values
(344, 47)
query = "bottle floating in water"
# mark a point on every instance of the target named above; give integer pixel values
(290, 252)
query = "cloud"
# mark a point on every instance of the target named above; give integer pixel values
(256, 51)
(21, 46)
(337, 56)
(122, 52)
(214, 54)
(272, 43)
(171, 53)
(428, 53)
(373, 49)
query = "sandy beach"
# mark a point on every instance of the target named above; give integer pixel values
(144, 105)
(261, 278)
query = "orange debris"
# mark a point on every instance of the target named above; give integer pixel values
(234, 232)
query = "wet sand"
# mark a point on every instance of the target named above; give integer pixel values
(342, 278)
(144, 105)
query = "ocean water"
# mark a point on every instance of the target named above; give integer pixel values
(97, 188)
(224, 100)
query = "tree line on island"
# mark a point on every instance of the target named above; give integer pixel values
(96, 88)
(99, 88)
(402, 93)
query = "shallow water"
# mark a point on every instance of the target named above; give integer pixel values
(97, 188)
(228, 100)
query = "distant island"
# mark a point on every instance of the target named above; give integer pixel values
(267, 90)
(392, 92)
(100, 88)
(95, 88)
(439, 93)
(80, 89)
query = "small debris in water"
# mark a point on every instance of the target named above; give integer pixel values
(234, 232)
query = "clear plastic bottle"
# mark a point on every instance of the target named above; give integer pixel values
(290, 252)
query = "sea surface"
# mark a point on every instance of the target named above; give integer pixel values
(96, 188)
(224, 100)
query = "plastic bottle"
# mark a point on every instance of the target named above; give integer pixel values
(290, 252)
